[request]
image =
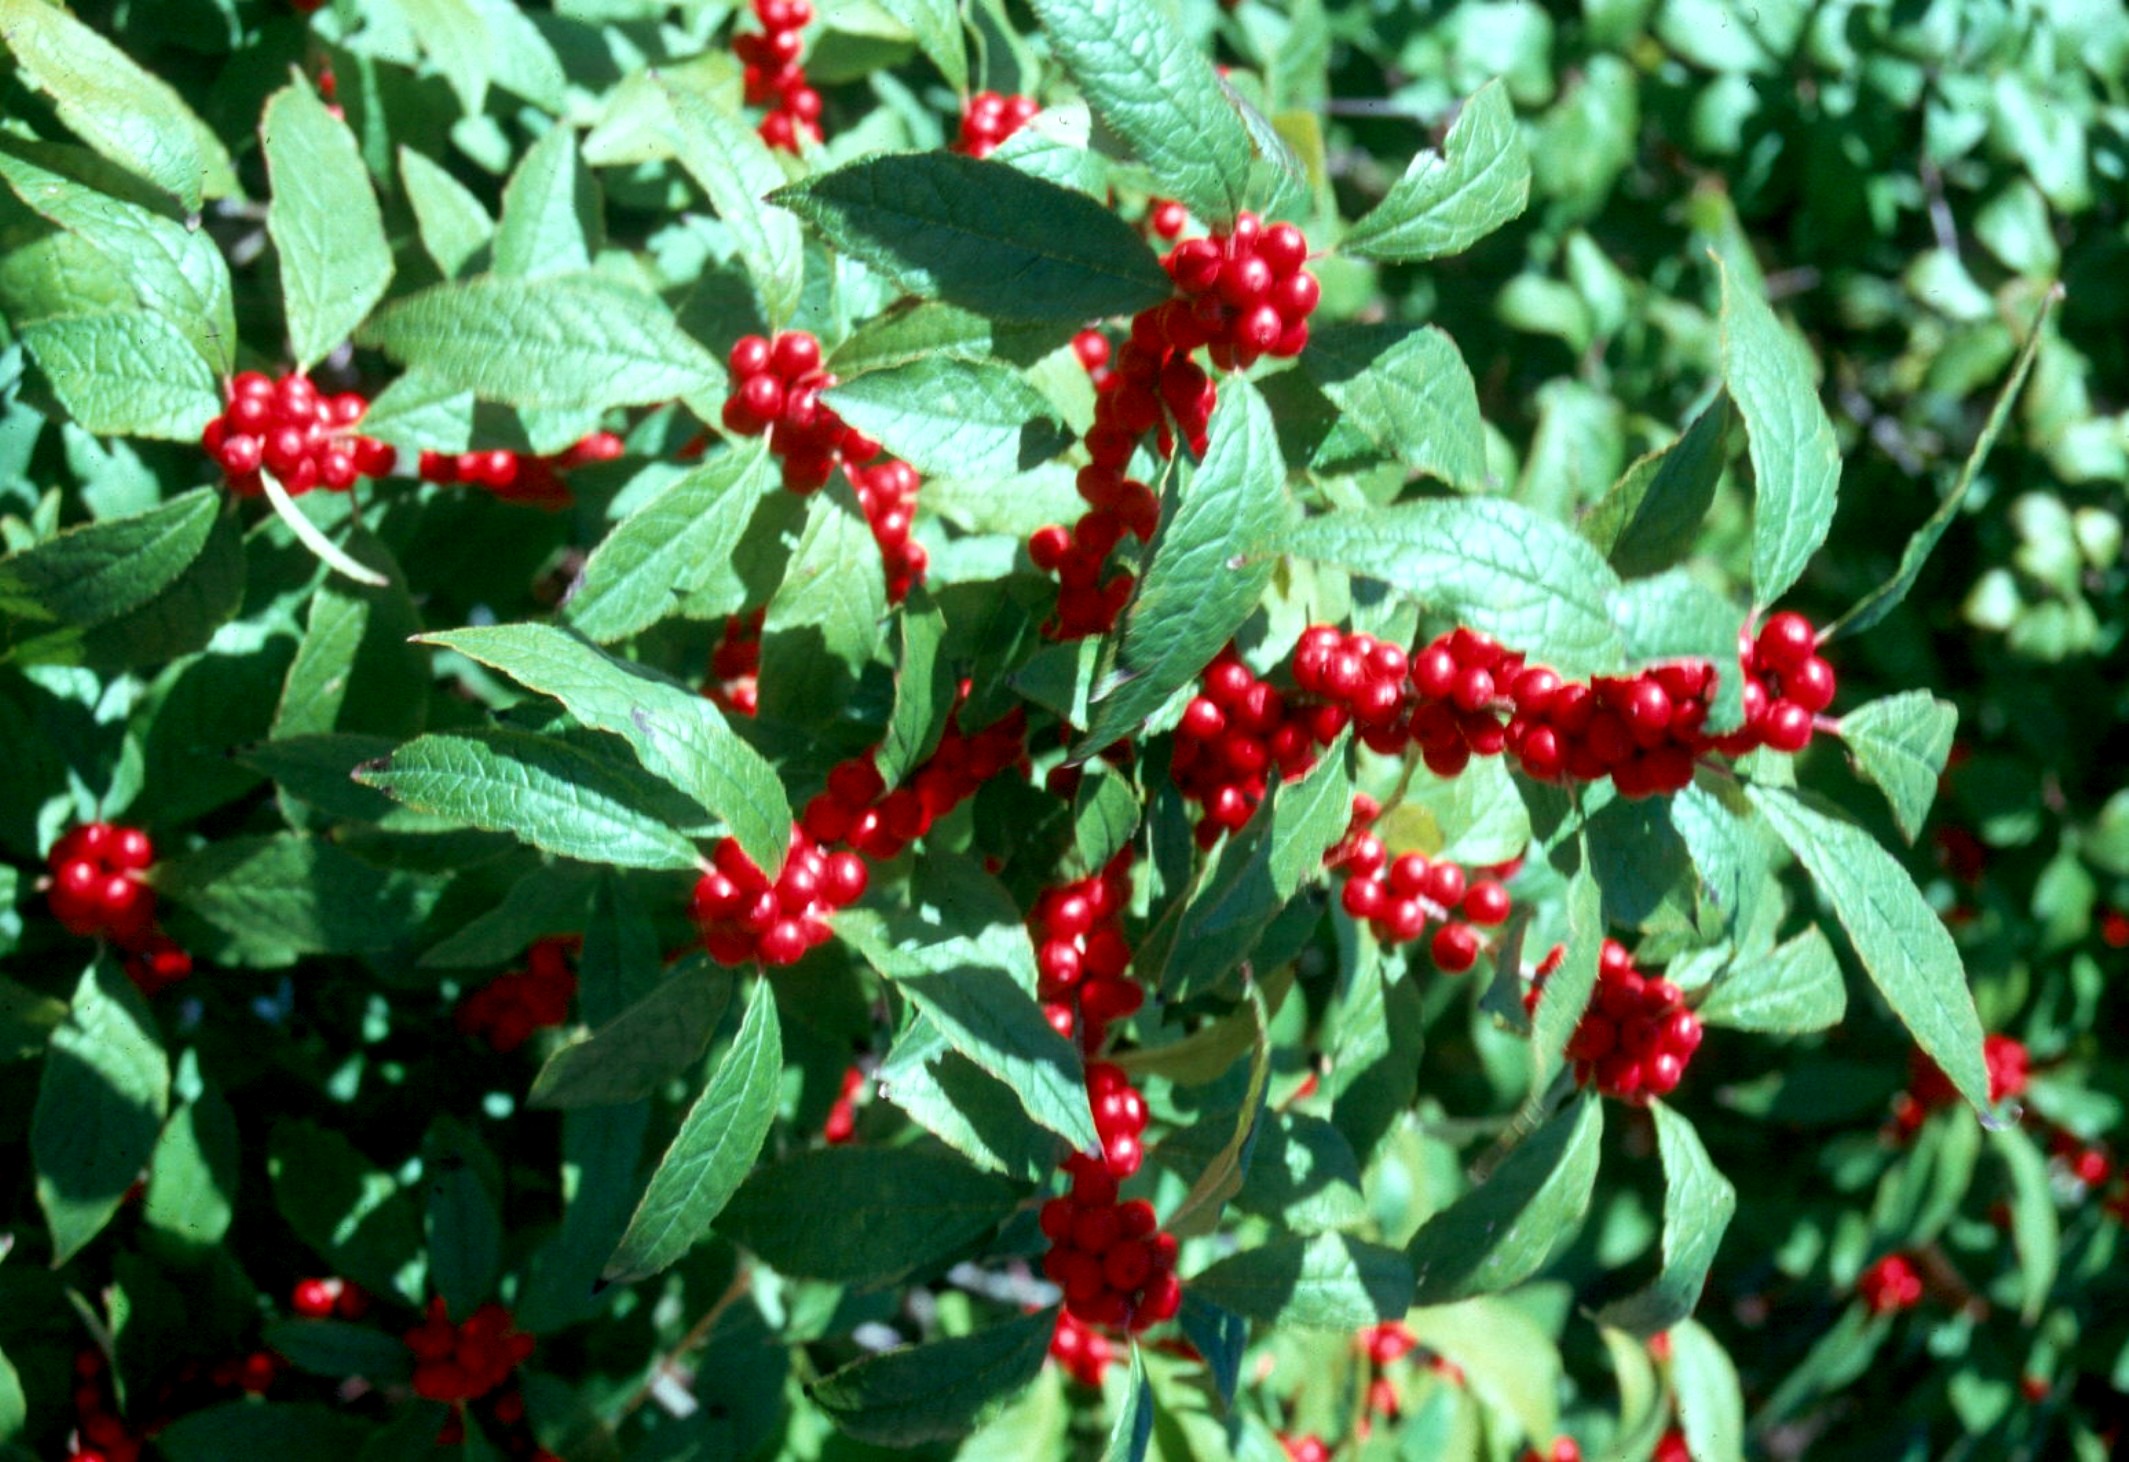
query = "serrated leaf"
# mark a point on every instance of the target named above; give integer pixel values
(1796, 460)
(631, 1056)
(126, 375)
(936, 24)
(101, 1100)
(324, 222)
(1328, 1282)
(1491, 564)
(964, 1106)
(564, 341)
(1509, 1227)
(544, 791)
(1155, 88)
(122, 111)
(102, 571)
(280, 897)
(985, 236)
(1476, 818)
(457, 43)
(734, 166)
(1900, 742)
(1210, 563)
(1698, 1203)
(1897, 936)
(676, 733)
(551, 211)
(1448, 201)
(1794, 989)
(1105, 813)
(1674, 616)
(1649, 518)
(935, 1392)
(863, 1215)
(1729, 851)
(714, 1150)
(454, 225)
(1408, 392)
(954, 418)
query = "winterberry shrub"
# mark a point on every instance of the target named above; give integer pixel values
(1021, 729)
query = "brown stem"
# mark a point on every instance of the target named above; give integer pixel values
(699, 1332)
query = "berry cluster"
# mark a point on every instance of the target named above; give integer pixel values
(1398, 897)
(1236, 733)
(508, 1009)
(1384, 1345)
(773, 76)
(1081, 1351)
(842, 1123)
(1891, 1284)
(1670, 1447)
(100, 1435)
(518, 477)
(776, 389)
(1636, 1037)
(990, 118)
(288, 428)
(1929, 1089)
(1239, 296)
(97, 891)
(1787, 685)
(460, 1362)
(742, 916)
(1081, 954)
(322, 1299)
(735, 665)
(1120, 1117)
(1115, 1266)
(856, 807)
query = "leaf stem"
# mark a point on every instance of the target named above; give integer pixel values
(330, 553)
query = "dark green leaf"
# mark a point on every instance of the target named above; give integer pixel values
(463, 1228)
(638, 1051)
(1509, 1227)
(1646, 523)
(1132, 1430)
(280, 897)
(1408, 392)
(1105, 814)
(924, 690)
(935, 1392)
(339, 1348)
(264, 1429)
(357, 1218)
(1329, 1282)
(126, 375)
(1697, 1205)
(1568, 988)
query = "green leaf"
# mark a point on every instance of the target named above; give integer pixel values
(1132, 1432)
(1897, 936)
(1698, 1203)
(718, 1141)
(339, 1348)
(1900, 742)
(1674, 616)
(1796, 461)
(936, 24)
(2036, 1233)
(985, 236)
(1649, 518)
(1105, 813)
(565, 341)
(1794, 989)
(546, 792)
(1328, 1282)
(865, 1215)
(935, 1392)
(650, 1043)
(192, 1180)
(734, 166)
(1448, 201)
(280, 897)
(1509, 1227)
(102, 571)
(27, 1020)
(354, 670)
(1304, 1175)
(126, 114)
(1155, 88)
(1476, 818)
(1711, 1400)
(1210, 563)
(1568, 988)
(463, 1228)
(965, 1107)
(1489, 563)
(14, 1406)
(924, 690)
(551, 211)
(1230, 1129)
(671, 546)
(1408, 392)
(1508, 1357)
(824, 624)
(326, 228)
(100, 1105)
(954, 418)
(677, 734)
(454, 225)
(315, 1433)
(457, 44)
(126, 375)
(357, 1218)
(1882, 600)
(967, 987)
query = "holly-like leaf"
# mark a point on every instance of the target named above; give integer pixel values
(1491, 564)
(935, 1392)
(1210, 563)
(1796, 461)
(734, 166)
(1648, 519)
(1448, 201)
(1155, 88)
(100, 1105)
(985, 236)
(1901, 742)
(1328, 1282)
(677, 734)
(1898, 937)
(718, 1141)
(324, 222)
(126, 375)
(544, 791)
(1508, 1228)
(564, 341)
(1794, 989)
(954, 418)
(1698, 1203)
(1408, 392)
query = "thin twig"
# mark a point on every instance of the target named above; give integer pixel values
(741, 1283)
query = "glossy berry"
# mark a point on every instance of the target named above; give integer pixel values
(468, 1360)
(508, 1009)
(96, 888)
(742, 916)
(1890, 1285)
(1636, 1037)
(989, 118)
(286, 427)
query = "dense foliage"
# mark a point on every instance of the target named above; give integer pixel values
(1293, 728)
